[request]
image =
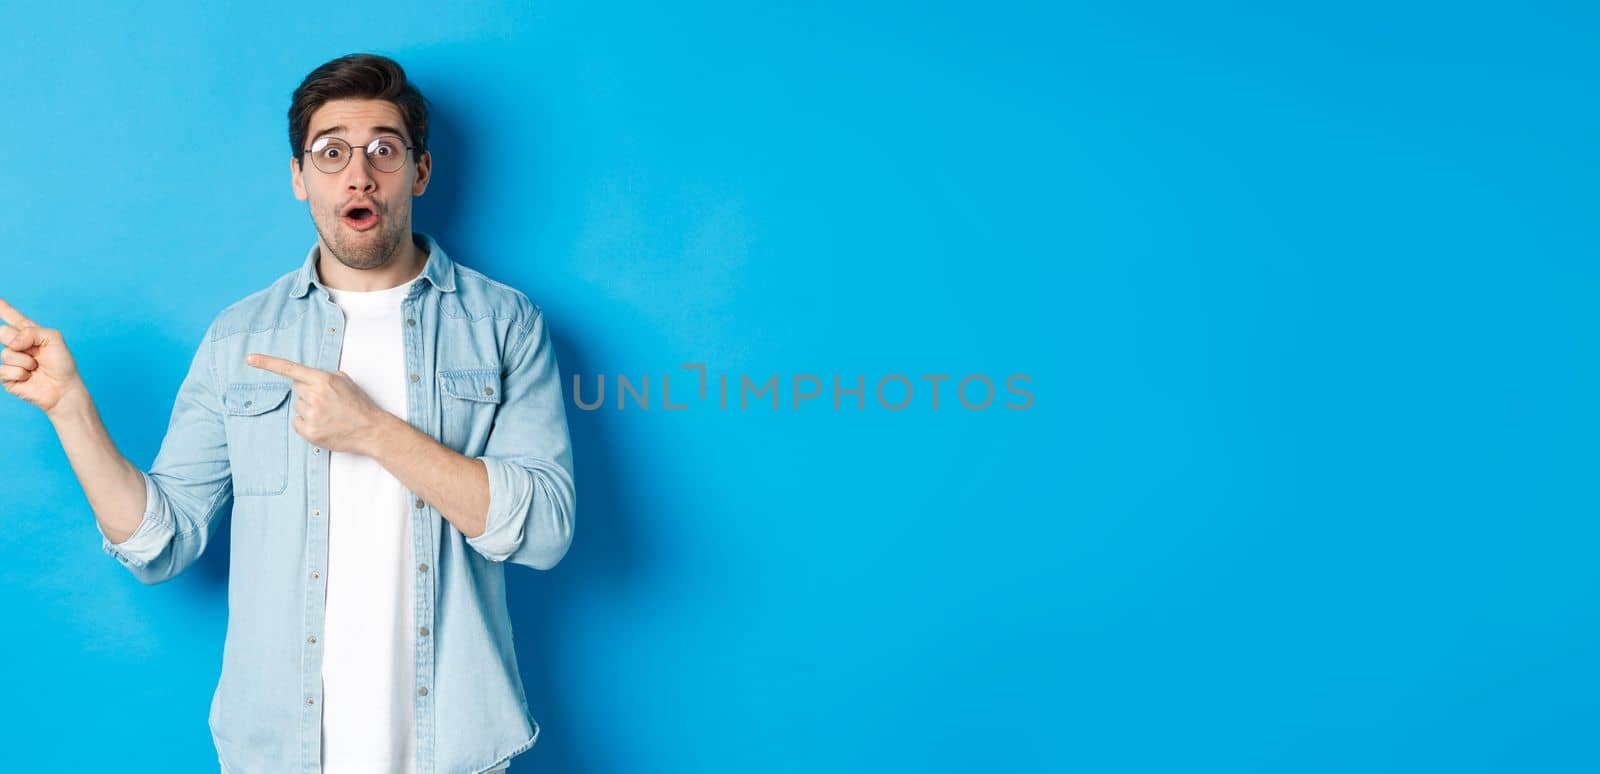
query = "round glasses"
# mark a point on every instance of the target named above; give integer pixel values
(331, 154)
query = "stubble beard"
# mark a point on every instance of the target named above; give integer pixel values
(362, 250)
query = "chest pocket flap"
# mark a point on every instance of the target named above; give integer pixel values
(476, 384)
(245, 399)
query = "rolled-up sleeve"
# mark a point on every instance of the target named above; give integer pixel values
(532, 497)
(150, 539)
(185, 486)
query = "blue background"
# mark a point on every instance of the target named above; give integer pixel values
(1305, 296)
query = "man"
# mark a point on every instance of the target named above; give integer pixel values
(390, 425)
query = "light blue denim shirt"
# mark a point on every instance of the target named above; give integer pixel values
(483, 381)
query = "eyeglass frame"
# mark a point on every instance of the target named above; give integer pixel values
(364, 156)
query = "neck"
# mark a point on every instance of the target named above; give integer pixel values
(403, 266)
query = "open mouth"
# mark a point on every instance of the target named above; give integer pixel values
(361, 218)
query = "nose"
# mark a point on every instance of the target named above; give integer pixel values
(358, 173)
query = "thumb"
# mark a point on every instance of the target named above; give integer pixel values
(28, 338)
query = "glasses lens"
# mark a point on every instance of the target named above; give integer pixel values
(330, 154)
(387, 154)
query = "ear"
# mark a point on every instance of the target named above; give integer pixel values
(296, 179)
(424, 173)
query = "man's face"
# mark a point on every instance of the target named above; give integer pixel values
(370, 242)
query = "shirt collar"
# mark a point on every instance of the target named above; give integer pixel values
(438, 269)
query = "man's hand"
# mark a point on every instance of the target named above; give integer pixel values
(333, 411)
(35, 364)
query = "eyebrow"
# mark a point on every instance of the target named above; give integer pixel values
(375, 129)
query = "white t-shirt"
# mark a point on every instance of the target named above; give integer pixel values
(368, 662)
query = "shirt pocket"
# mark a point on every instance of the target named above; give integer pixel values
(468, 398)
(258, 436)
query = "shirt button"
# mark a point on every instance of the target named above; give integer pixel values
(333, 330)
(488, 391)
(247, 403)
(312, 639)
(410, 322)
(413, 379)
(310, 700)
(423, 631)
(423, 691)
(422, 567)
(317, 512)
(316, 450)
(315, 575)
(419, 502)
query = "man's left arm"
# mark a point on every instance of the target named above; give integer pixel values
(516, 502)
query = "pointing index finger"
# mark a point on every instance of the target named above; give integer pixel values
(278, 365)
(10, 314)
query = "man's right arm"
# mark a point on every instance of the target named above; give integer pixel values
(174, 505)
(157, 523)
(114, 486)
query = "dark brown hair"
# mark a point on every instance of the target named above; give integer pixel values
(358, 76)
